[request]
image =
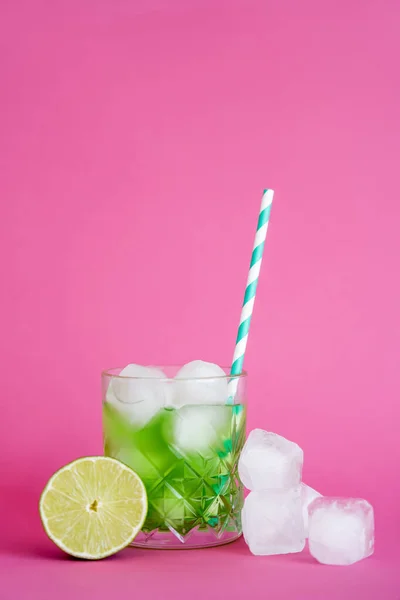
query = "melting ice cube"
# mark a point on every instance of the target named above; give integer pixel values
(341, 530)
(273, 521)
(269, 461)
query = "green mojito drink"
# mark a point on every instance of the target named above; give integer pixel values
(185, 450)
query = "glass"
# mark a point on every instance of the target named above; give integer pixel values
(186, 454)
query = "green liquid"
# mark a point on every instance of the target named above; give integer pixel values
(187, 459)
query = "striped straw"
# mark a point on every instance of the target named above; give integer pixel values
(250, 293)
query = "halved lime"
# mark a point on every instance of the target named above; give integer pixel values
(93, 507)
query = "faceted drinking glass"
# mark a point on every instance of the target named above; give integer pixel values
(184, 442)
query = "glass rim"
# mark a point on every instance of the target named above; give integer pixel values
(109, 373)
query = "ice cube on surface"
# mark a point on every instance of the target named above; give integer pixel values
(270, 462)
(201, 429)
(308, 494)
(341, 530)
(200, 382)
(139, 399)
(272, 521)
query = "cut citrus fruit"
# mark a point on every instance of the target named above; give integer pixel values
(93, 507)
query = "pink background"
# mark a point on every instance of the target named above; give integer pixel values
(136, 139)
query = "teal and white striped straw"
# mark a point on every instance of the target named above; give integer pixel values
(250, 293)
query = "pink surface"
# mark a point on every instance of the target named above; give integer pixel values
(135, 143)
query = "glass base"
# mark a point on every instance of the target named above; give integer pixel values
(166, 540)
